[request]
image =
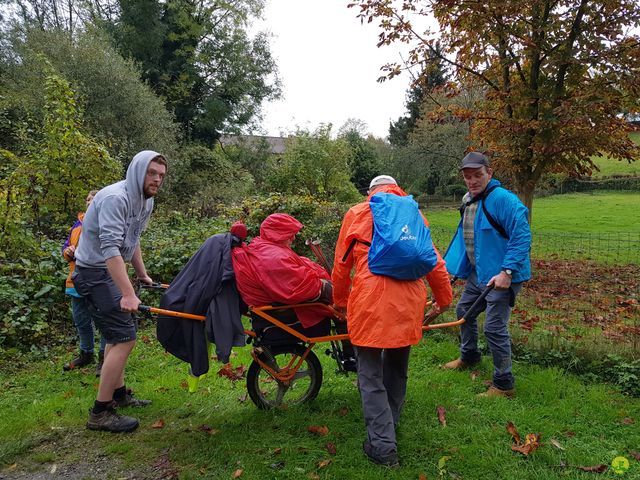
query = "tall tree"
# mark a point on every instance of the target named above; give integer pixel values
(433, 75)
(364, 162)
(555, 74)
(200, 58)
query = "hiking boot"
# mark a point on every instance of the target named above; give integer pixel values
(130, 401)
(100, 362)
(493, 392)
(389, 460)
(85, 358)
(111, 421)
(456, 364)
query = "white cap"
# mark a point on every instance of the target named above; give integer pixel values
(382, 180)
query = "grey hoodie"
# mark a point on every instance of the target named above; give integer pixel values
(116, 218)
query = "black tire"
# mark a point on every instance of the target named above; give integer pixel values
(267, 393)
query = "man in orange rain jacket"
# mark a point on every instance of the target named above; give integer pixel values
(384, 318)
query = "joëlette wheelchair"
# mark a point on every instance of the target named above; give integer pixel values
(286, 371)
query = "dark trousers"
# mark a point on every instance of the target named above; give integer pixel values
(382, 380)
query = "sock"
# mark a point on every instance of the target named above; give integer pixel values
(120, 393)
(99, 407)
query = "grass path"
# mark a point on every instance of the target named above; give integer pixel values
(217, 431)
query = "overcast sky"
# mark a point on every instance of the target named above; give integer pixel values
(328, 65)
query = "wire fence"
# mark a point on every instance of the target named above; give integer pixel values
(607, 248)
(584, 295)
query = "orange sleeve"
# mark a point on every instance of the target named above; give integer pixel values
(438, 279)
(341, 273)
(74, 238)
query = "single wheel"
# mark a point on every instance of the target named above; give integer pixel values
(267, 392)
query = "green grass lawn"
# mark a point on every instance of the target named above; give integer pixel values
(217, 431)
(609, 166)
(596, 212)
(602, 226)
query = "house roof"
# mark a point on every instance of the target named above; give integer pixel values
(277, 145)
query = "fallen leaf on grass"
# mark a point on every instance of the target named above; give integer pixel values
(594, 469)
(277, 451)
(511, 428)
(68, 394)
(628, 421)
(321, 431)
(635, 455)
(343, 411)
(556, 444)
(442, 415)
(184, 384)
(324, 463)
(331, 448)
(145, 339)
(313, 476)
(422, 476)
(158, 424)
(237, 473)
(531, 441)
(206, 428)
(474, 375)
(530, 445)
(13, 466)
(232, 373)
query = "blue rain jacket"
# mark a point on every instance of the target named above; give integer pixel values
(493, 252)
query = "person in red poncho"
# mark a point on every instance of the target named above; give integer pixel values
(269, 272)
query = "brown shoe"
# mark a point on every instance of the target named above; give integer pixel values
(456, 364)
(111, 421)
(493, 392)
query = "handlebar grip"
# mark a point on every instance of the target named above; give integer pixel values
(144, 308)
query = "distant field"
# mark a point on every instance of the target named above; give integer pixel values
(610, 166)
(597, 212)
(602, 226)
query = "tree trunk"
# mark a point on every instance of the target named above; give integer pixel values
(525, 192)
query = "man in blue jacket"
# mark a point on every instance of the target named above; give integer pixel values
(490, 247)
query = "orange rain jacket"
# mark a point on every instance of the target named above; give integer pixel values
(72, 240)
(382, 312)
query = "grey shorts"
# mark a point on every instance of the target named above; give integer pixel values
(97, 286)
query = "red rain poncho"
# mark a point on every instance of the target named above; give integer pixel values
(268, 271)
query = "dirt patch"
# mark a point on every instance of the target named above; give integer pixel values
(78, 455)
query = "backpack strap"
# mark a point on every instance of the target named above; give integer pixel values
(494, 223)
(492, 220)
(350, 247)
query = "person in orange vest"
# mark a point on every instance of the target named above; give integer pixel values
(384, 318)
(79, 307)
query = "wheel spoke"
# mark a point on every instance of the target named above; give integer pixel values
(301, 374)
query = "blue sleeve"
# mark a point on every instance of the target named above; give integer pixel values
(515, 220)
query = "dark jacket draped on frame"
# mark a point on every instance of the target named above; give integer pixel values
(205, 286)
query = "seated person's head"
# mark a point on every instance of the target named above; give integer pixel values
(280, 228)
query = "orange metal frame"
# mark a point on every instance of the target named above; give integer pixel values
(288, 372)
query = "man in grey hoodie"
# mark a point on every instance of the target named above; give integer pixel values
(111, 238)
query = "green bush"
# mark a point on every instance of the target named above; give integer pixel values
(34, 310)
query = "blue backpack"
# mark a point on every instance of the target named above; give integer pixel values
(401, 246)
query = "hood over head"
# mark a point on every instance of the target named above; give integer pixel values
(279, 227)
(389, 188)
(134, 181)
